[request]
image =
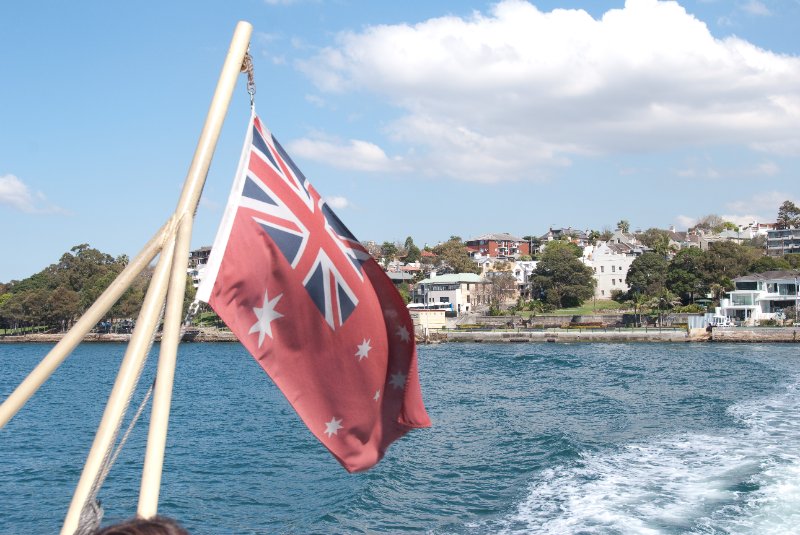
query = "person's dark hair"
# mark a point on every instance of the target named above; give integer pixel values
(158, 525)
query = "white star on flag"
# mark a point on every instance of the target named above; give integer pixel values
(332, 427)
(402, 332)
(363, 350)
(266, 314)
(398, 380)
(377, 395)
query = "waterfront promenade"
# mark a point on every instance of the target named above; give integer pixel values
(553, 335)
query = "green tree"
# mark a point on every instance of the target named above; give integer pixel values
(686, 274)
(623, 225)
(413, 253)
(726, 260)
(793, 259)
(452, 256)
(788, 215)
(647, 274)
(656, 239)
(61, 307)
(561, 278)
(388, 251)
(769, 263)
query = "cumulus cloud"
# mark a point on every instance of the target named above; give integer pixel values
(754, 7)
(765, 205)
(14, 193)
(685, 222)
(767, 168)
(492, 96)
(354, 155)
(337, 202)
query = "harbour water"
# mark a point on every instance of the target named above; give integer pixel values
(527, 438)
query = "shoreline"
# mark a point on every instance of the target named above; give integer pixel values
(720, 335)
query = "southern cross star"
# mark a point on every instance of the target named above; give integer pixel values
(266, 314)
(402, 332)
(398, 380)
(332, 427)
(363, 350)
(377, 395)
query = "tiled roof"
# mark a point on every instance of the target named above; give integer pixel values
(502, 236)
(769, 275)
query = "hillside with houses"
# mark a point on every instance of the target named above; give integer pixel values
(737, 274)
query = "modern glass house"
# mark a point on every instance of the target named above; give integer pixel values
(761, 296)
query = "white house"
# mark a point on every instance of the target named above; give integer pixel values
(610, 262)
(761, 296)
(462, 291)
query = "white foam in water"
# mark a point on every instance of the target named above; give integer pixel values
(747, 482)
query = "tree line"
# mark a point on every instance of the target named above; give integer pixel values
(55, 298)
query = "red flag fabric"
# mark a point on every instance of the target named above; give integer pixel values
(313, 308)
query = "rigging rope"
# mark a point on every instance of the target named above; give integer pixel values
(92, 512)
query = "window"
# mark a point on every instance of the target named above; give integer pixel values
(602, 292)
(444, 299)
(602, 269)
(613, 268)
(613, 282)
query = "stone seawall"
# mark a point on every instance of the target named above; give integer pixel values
(193, 335)
(567, 336)
(755, 334)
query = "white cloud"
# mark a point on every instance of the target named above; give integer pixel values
(685, 222)
(763, 205)
(767, 168)
(740, 219)
(16, 194)
(492, 96)
(354, 155)
(337, 202)
(708, 172)
(754, 7)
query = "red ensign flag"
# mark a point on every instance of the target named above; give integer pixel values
(313, 308)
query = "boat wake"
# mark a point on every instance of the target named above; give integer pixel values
(745, 480)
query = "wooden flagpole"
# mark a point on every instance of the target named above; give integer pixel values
(168, 282)
(162, 397)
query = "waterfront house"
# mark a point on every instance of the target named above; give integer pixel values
(761, 296)
(610, 263)
(460, 292)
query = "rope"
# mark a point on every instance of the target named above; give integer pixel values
(92, 512)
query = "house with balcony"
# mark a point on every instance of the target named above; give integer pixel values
(502, 245)
(457, 292)
(783, 241)
(761, 296)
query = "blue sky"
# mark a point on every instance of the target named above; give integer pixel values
(416, 118)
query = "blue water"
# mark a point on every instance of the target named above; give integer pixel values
(527, 438)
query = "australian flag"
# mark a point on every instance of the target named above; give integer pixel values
(314, 309)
